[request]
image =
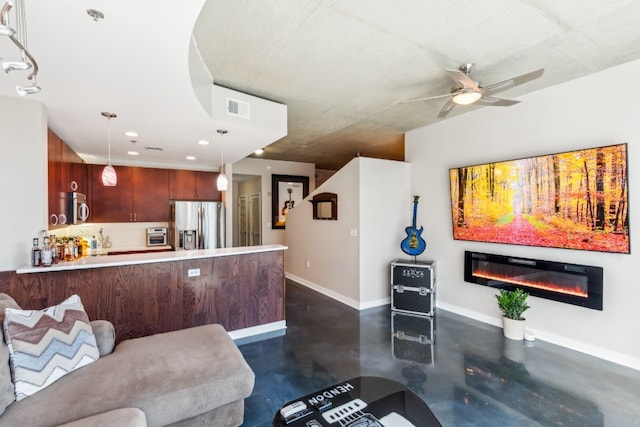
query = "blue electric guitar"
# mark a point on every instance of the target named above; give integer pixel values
(413, 244)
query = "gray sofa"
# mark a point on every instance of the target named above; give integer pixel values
(191, 377)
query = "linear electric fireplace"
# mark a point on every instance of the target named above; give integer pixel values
(569, 283)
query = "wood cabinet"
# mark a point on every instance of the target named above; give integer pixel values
(54, 176)
(66, 172)
(141, 195)
(193, 185)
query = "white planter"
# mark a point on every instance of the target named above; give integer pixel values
(513, 329)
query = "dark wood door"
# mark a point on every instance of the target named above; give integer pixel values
(54, 176)
(112, 204)
(206, 186)
(73, 171)
(150, 194)
(182, 185)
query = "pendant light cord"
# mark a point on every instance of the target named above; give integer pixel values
(222, 132)
(109, 137)
(109, 116)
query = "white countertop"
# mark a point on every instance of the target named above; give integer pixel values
(147, 258)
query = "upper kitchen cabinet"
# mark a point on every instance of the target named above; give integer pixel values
(150, 194)
(74, 172)
(193, 185)
(141, 195)
(66, 172)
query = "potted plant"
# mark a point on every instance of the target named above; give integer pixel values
(513, 304)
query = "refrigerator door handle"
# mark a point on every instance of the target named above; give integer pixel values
(199, 240)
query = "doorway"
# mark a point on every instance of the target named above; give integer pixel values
(248, 213)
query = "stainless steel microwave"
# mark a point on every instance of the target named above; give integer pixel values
(77, 208)
(157, 236)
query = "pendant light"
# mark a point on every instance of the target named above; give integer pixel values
(109, 177)
(223, 182)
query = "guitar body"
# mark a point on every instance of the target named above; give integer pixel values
(413, 244)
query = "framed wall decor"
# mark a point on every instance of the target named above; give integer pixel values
(287, 192)
(574, 200)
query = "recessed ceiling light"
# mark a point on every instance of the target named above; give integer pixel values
(203, 142)
(259, 151)
(132, 134)
(132, 153)
(191, 157)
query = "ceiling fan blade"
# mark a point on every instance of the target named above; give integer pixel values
(463, 80)
(512, 82)
(425, 99)
(446, 109)
(496, 102)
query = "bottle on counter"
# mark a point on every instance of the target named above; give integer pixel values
(76, 249)
(54, 252)
(68, 249)
(59, 250)
(94, 246)
(35, 253)
(45, 253)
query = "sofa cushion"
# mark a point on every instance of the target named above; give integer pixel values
(105, 335)
(45, 345)
(124, 417)
(7, 391)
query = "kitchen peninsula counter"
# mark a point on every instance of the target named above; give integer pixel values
(149, 257)
(142, 294)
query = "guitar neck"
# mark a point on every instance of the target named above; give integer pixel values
(415, 211)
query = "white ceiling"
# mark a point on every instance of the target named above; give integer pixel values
(340, 67)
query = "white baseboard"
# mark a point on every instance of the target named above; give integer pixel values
(257, 330)
(592, 350)
(336, 296)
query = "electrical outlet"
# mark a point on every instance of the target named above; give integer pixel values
(308, 264)
(193, 272)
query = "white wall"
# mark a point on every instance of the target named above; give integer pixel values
(23, 167)
(349, 259)
(386, 207)
(266, 168)
(327, 245)
(600, 109)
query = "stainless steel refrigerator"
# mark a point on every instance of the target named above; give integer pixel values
(196, 225)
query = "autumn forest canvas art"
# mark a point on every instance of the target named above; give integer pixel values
(573, 200)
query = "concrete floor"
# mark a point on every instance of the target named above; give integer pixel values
(470, 376)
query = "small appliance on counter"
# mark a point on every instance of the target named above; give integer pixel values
(77, 208)
(157, 236)
(196, 225)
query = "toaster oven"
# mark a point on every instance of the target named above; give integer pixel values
(156, 236)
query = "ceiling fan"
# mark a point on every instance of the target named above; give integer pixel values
(467, 91)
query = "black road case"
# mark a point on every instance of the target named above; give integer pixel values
(412, 337)
(413, 286)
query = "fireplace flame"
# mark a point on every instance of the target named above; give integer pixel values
(538, 284)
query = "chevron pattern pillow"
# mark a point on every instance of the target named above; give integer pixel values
(45, 345)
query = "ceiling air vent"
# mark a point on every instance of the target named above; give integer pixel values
(154, 149)
(238, 108)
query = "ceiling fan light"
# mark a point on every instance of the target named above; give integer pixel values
(6, 30)
(466, 97)
(28, 90)
(222, 183)
(109, 177)
(15, 65)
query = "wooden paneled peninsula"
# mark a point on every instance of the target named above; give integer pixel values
(142, 294)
